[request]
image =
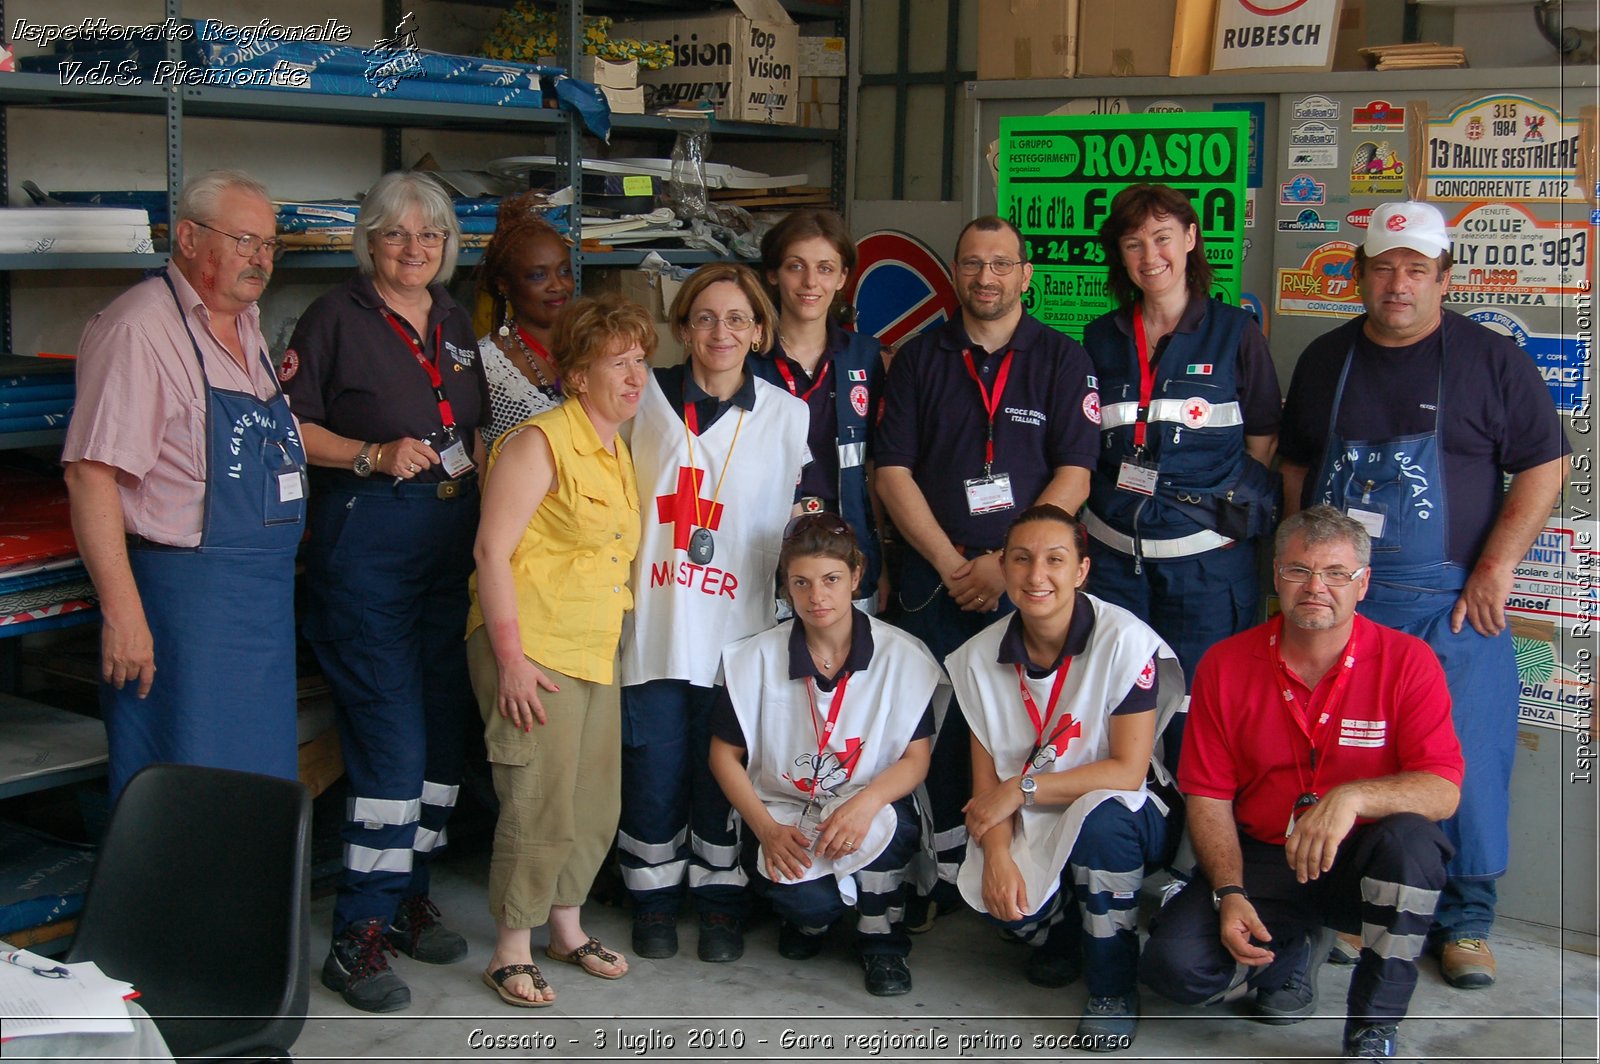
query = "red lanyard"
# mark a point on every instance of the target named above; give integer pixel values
(826, 731)
(541, 352)
(1147, 376)
(1316, 730)
(991, 403)
(1042, 722)
(782, 362)
(446, 415)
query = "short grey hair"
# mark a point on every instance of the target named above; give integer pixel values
(1324, 524)
(387, 202)
(198, 200)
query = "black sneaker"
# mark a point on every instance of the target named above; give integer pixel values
(1295, 997)
(887, 975)
(1108, 1023)
(721, 938)
(1370, 1041)
(358, 970)
(655, 935)
(417, 932)
(798, 945)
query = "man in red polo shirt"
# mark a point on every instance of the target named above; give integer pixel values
(1319, 758)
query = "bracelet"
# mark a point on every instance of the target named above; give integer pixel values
(377, 459)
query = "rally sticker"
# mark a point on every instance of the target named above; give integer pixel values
(1323, 285)
(1379, 116)
(1308, 221)
(1314, 133)
(1308, 107)
(1376, 170)
(1313, 158)
(1504, 256)
(1358, 219)
(1302, 189)
(1561, 358)
(1502, 147)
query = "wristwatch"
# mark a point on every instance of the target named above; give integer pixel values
(1222, 892)
(1029, 786)
(362, 466)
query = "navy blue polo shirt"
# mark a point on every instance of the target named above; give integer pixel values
(725, 722)
(348, 371)
(1260, 399)
(1497, 415)
(821, 477)
(681, 389)
(1014, 651)
(934, 421)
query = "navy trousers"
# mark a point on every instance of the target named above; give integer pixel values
(814, 905)
(386, 584)
(1384, 884)
(676, 823)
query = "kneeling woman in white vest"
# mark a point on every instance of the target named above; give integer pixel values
(819, 737)
(1066, 698)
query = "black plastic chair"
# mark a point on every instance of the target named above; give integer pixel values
(200, 898)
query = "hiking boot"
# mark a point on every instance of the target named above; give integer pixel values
(359, 972)
(417, 932)
(655, 935)
(1108, 1022)
(1467, 964)
(721, 938)
(1370, 1041)
(1296, 997)
(887, 974)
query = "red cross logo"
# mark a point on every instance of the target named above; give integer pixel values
(685, 509)
(1196, 412)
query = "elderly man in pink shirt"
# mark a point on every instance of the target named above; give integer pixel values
(187, 482)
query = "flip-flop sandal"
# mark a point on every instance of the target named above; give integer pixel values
(591, 948)
(496, 981)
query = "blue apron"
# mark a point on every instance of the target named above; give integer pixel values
(1401, 481)
(221, 614)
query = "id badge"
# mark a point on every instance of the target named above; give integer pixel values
(455, 459)
(1371, 520)
(991, 494)
(1137, 477)
(810, 824)
(291, 486)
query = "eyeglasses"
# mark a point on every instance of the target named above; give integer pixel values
(1299, 574)
(827, 523)
(705, 321)
(249, 245)
(998, 267)
(399, 238)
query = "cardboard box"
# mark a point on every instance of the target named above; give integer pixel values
(1192, 29)
(606, 73)
(639, 287)
(746, 64)
(1028, 38)
(824, 57)
(624, 101)
(1128, 38)
(819, 102)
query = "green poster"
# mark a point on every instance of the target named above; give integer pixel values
(1058, 176)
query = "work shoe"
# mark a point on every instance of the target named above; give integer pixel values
(798, 945)
(417, 932)
(922, 911)
(1346, 949)
(1057, 962)
(1370, 1041)
(887, 975)
(721, 938)
(1295, 997)
(359, 972)
(1108, 1022)
(655, 935)
(1467, 964)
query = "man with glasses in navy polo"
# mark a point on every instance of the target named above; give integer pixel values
(983, 417)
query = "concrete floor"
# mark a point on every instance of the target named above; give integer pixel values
(969, 1001)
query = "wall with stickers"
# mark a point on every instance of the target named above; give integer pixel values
(1509, 156)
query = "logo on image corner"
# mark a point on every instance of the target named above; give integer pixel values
(392, 59)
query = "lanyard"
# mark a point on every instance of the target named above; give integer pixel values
(1147, 377)
(1316, 730)
(691, 429)
(446, 415)
(825, 733)
(1041, 722)
(782, 362)
(533, 347)
(990, 403)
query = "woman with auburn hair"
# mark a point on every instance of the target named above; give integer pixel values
(718, 453)
(559, 530)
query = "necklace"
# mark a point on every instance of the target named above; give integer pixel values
(701, 544)
(825, 660)
(536, 360)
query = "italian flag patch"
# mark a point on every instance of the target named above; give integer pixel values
(1199, 369)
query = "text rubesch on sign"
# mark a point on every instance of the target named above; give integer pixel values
(746, 64)
(1275, 34)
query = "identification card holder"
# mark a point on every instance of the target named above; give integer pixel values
(1372, 518)
(1137, 477)
(456, 460)
(291, 486)
(991, 494)
(810, 824)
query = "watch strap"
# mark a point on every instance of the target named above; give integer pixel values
(1222, 892)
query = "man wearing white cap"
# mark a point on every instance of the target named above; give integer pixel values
(1407, 419)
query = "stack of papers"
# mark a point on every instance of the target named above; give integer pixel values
(86, 1001)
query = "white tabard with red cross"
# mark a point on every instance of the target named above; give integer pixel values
(685, 612)
(1119, 649)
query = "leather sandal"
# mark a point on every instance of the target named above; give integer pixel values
(496, 981)
(591, 948)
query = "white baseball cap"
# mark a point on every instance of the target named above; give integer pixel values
(1408, 224)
